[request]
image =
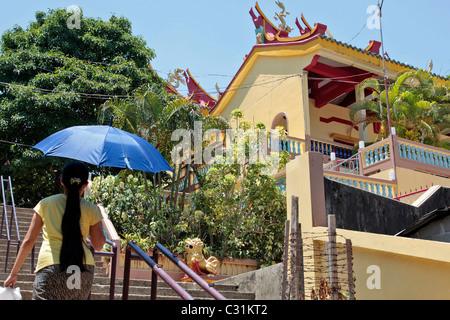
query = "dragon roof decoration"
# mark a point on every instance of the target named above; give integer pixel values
(267, 32)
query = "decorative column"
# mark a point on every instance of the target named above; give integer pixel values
(305, 105)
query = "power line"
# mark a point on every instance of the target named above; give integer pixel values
(140, 68)
(362, 28)
(82, 94)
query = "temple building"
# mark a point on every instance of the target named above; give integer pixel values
(382, 194)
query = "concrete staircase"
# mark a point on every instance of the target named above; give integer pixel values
(139, 289)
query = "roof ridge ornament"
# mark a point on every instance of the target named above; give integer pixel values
(175, 78)
(280, 16)
(267, 32)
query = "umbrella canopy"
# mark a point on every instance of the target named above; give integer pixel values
(104, 146)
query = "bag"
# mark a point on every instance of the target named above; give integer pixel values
(10, 294)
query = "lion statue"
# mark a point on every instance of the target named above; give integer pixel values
(195, 259)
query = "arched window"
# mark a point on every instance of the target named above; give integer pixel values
(280, 120)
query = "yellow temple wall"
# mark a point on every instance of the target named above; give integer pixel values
(392, 268)
(385, 267)
(273, 85)
(269, 88)
(323, 130)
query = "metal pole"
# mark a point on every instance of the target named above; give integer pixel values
(112, 282)
(301, 269)
(384, 71)
(126, 273)
(161, 273)
(202, 283)
(154, 288)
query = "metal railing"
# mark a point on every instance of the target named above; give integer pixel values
(417, 194)
(202, 283)
(113, 258)
(151, 261)
(349, 165)
(13, 220)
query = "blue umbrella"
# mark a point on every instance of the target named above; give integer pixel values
(104, 146)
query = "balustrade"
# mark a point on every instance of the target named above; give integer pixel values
(377, 153)
(374, 186)
(328, 147)
(418, 152)
(281, 183)
(289, 144)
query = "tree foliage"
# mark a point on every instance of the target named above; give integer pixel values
(53, 77)
(238, 211)
(419, 108)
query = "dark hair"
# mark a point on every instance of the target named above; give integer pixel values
(74, 176)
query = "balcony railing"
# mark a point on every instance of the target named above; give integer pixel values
(397, 152)
(380, 187)
(293, 145)
(280, 181)
(376, 153)
(423, 153)
(325, 147)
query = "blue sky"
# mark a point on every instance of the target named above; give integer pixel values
(212, 37)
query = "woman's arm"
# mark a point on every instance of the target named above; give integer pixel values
(96, 236)
(25, 248)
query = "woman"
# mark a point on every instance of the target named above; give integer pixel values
(66, 221)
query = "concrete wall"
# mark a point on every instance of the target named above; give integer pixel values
(359, 210)
(264, 282)
(438, 230)
(385, 266)
(396, 268)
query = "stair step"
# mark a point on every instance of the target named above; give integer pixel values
(101, 292)
(139, 288)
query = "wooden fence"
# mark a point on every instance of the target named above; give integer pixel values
(316, 266)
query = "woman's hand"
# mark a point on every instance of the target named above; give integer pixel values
(10, 281)
(25, 248)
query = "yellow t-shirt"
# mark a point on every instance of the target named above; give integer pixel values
(51, 210)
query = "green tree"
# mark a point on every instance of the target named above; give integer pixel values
(419, 108)
(239, 211)
(154, 114)
(53, 77)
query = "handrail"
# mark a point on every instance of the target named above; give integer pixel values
(155, 267)
(348, 160)
(202, 283)
(113, 255)
(411, 194)
(5, 219)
